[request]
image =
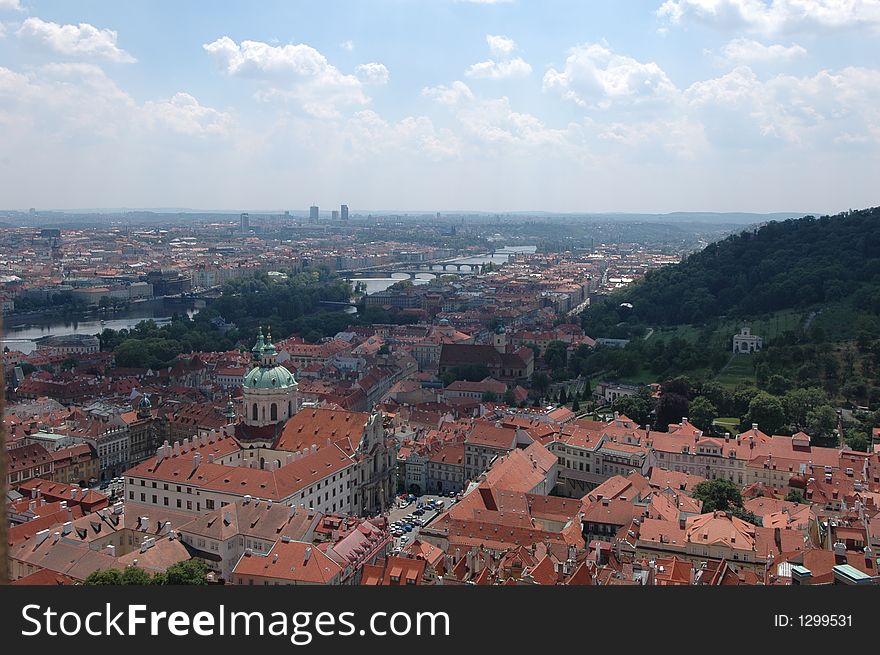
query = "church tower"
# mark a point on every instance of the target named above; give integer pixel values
(270, 390)
(499, 339)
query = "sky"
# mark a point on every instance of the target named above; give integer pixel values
(441, 105)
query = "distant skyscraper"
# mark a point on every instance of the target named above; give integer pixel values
(245, 222)
(344, 210)
(313, 214)
(334, 215)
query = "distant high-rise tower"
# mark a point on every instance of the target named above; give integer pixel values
(313, 214)
(245, 222)
(344, 212)
(334, 215)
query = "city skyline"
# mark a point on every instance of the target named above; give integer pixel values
(652, 106)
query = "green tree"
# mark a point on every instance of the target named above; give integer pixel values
(794, 496)
(638, 406)
(718, 495)
(857, 440)
(132, 575)
(104, 577)
(767, 411)
(189, 572)
(798, 403)
(540, 382)
(702, 412)
(576, 406)
(821, 423)
(778, 384)
(489, 396)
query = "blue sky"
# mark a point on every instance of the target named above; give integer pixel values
(641, 105)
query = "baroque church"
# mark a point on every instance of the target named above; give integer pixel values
(274, 424)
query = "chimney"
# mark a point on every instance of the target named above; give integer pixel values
(754, 426)
(177, 449)
(111, 550)
(307, 555)
(41, 536)
(197, 459)
(55, 537)
(160, 454)
(185, 447)
(32, 505)
(118, 507)
(210, 458)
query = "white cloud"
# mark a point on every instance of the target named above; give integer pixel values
(79, 102)
(500, 46)
(294, 72)
(11, 5)
(504, 66)
(81, 40)
(184, 115)
(818, 110)
(683, 138)
(368, 134)
(773, 16)
(372, 73)
(453, 94)
(347, 45)
(2, 30)
(499, 70)
(594, 76)
(494, 122)
(748, 51)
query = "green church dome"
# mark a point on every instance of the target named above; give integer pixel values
(275, 377)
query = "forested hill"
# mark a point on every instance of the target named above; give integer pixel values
(782, 265)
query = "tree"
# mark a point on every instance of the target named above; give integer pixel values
(821, 423)
(798, 403)
(778, 384)
(716, 394)
(670, 408)
(509, 397)
(718, 494)
(489, 396)
(104, 577)
(556, 355)
(767, 412)
(190, 572)
(857, 440)
(794, 496)
(136, 576)
(702, 413)
(576, 406)
(637, 406)
(563, 397)
(540, 382)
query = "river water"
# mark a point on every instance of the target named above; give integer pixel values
(21, 335)
(376, 284)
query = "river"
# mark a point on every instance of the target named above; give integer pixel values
(376, 284)
(24, 330)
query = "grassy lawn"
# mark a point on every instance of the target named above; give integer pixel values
(728, 424)
(740, 369)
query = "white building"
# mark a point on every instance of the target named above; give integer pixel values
(746, 342)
